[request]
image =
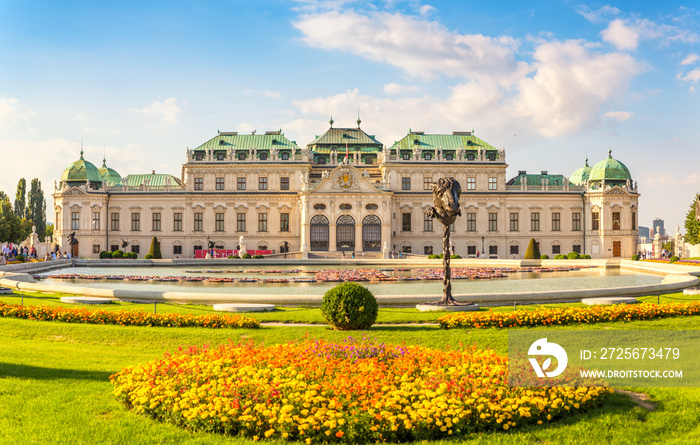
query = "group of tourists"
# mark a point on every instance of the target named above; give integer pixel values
(57, 255)
(10, 252)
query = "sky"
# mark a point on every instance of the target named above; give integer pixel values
(552, 82)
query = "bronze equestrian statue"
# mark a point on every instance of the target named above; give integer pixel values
(446, 193)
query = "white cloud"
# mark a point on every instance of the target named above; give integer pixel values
(11, 112)
(598, 15)
(426, 10)
(266, 93)
(620, 34)
(626, 34)
(692, 76)
(164, 111)
(419, 47)
(620, 116)
(395, 89)
(690, 59)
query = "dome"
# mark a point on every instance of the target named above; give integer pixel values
(610, 170)
(109, 175)
(80, 172)
(581, 175)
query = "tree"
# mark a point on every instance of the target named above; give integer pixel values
(10, 224)
(21, 199)
(49, 231)
(692, 225)
(533, 250)
(36, 211)
(154, 251)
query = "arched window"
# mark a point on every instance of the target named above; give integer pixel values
(319, 233)
(345, 233)
(371, 233)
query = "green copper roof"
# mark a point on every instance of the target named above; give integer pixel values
(154, 180)
(109, 175)
(453, 141)
(235, 141)
(581, 175)
(338, 138)
(81, 171)
(536, 180)
(610, 170)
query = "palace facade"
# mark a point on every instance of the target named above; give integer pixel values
(346, 191)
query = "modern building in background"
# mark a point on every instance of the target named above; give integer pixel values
(346, 191)
(644, 232)
(658, 226)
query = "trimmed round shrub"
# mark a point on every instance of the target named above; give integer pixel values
(258, 257)
(573, 255)
(245, 255)
(233, 257)
(455, 257)
(105, 254)
(560, 257)
(433, 257)
(148, 256)
(133, 255)
(673, 259)
(533, 250)
(118, 254)
(349, 306)
(544, 257)
(635, 257)
(585, 257)
(20, 258)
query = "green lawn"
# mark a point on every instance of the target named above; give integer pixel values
(54, 384)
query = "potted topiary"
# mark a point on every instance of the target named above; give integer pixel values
(349, 306)
(533, 250)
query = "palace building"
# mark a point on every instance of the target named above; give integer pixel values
(345, 191)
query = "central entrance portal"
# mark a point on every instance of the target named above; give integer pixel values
(345, 233)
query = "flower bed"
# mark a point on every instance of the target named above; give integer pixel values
(568, 316)
(354, 392)
(125, 318)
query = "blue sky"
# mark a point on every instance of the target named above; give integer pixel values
(551, 82)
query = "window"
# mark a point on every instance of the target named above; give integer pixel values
(135, 248)
(241, 183)
(285, 156)
(576, 221)
(284, 222)
(556, 249)
(284, 183)
(345, 207)
(427, 223)
(493, 184)
(370, 207)
(75, 220)
(535, 222)
(427, 250)
(177, 250)
(428, 156)
(241, 156)
(58, 220)
(514, 226)
(556, 222)
(514, 250)
(196, 248)
(427, 183)
(449, 156)
(492, 156)
(471, 250)
(220, 156)
(262, 222)
(319, 207)
(156, 222)
(493, 222)
(616, 220)
(470, 157)
(595, 221)
(471, 183)
(115, 222)
(219, 183)
(263, 156)
(405, 183)
(198, 222)
(240, 222)
(198, 157)
(634, 221)
(576, 248)
(406, 156)
(262, 247)
(493, 250)
(406, 249)
(262, 183)
(135, 222)
(219, 222)
(199, 183)
(113, 247)
(95, 220)
(405, 222)
(471, 222)
(321, 160)
(95, 248)
(177, 222)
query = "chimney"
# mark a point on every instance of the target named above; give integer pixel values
(544, 172)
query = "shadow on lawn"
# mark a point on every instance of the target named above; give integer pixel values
(41, 373)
